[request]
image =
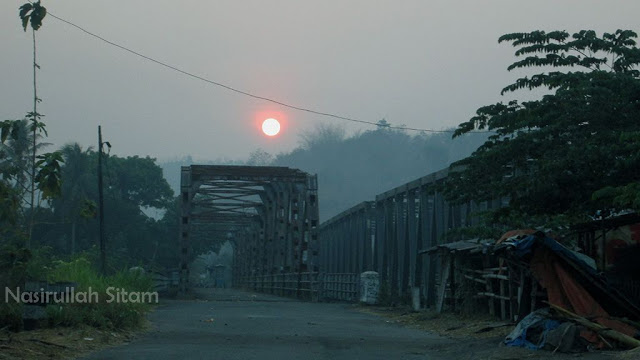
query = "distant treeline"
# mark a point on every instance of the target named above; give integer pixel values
(354, 168)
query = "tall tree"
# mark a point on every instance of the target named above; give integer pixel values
(139, 181)
(75, 204)
(135, 191)
(9, 196)
(33, 14)
(548, 156)
(18, 150)
(47, 173)
(259, 157)
(136, 194)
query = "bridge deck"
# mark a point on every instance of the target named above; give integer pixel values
(257, 326)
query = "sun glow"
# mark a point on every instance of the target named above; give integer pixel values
(271, 127)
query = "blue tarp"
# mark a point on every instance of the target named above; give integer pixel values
(537, 319)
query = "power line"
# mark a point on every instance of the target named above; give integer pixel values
(174, 68)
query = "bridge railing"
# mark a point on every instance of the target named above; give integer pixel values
(391, 234)
(299, 285)
(339, 286)
(310, 286)
(165, 282)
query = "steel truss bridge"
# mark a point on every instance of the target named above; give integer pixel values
(269, 213)
(390, 235)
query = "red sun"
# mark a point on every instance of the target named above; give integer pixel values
(271, 127)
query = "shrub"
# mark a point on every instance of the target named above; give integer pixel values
(11, 315)
(101, 314)
(18, 265)
(14, 262)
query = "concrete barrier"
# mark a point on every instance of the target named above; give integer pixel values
(369, 287)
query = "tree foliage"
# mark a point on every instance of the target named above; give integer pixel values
(548, 156)
(32, 13)
(138, 181)
(15, 169)
(135, 197)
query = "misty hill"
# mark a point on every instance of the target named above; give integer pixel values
(352, 169)
(357, 168)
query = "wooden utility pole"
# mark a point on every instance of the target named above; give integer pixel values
(101, 205)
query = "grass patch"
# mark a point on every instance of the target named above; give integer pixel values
(106, 313)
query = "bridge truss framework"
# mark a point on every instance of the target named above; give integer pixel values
(390, 235)
(269, 213)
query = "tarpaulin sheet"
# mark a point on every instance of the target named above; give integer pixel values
(538, 319)
(564, 291)
(549, 266)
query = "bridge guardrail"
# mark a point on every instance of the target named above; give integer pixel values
(300, 285)
(310, 286)
(340, 286)
(163, 283)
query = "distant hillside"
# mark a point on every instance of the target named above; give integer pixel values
(356, 168)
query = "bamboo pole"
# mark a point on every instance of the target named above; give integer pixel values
(601, 330)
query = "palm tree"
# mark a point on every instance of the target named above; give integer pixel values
(77, 185)
(16, 156)
(33, 13)
(17, 159)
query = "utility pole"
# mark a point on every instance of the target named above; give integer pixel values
(101, 205)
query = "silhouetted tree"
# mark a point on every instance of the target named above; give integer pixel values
(33, 14)
(549, 156)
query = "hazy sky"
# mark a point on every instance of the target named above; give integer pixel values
(425, 64)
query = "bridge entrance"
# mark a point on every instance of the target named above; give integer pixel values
(269, 213)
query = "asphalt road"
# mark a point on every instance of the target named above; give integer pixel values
(231, 324)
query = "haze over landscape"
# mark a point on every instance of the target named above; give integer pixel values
(423, 64)
(412, 176)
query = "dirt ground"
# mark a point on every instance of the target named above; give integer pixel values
(481, 333)
(445, 324)
(58, 343)
(474, 337)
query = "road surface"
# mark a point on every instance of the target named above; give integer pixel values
(230, 324)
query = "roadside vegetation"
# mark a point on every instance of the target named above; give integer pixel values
(104, 314)
(573, 153)
(558, 160)
(48, 220)
(80, 272)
